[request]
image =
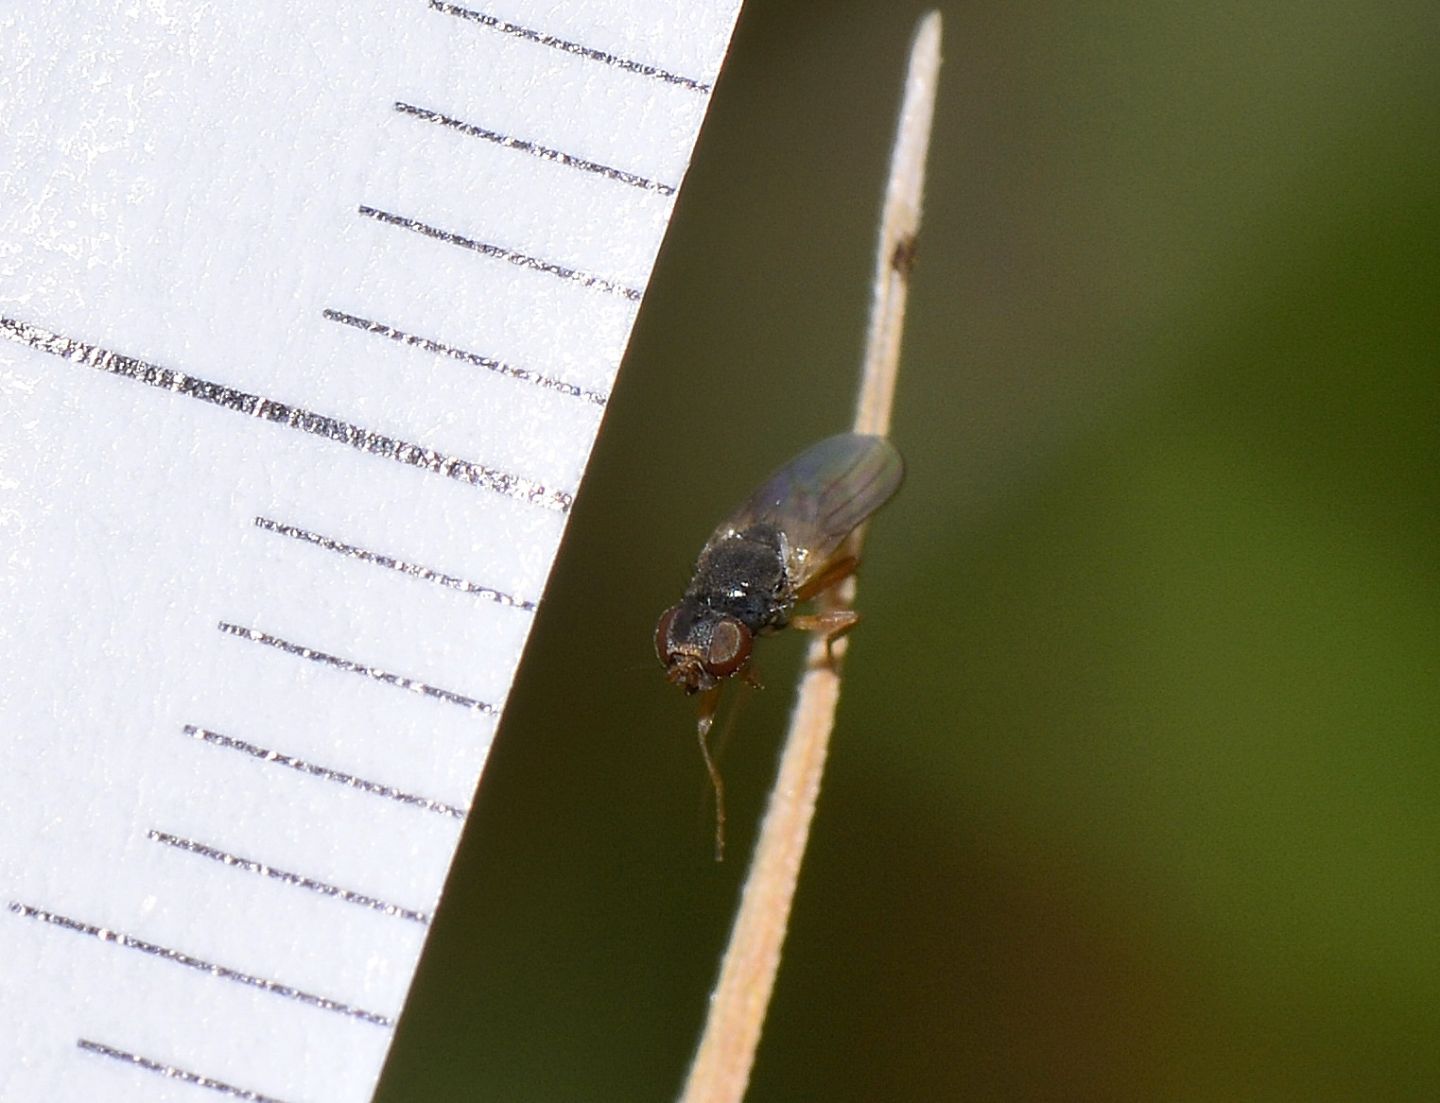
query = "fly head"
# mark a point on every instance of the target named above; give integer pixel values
(699, 645)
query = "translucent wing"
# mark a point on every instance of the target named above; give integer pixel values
(819, 497)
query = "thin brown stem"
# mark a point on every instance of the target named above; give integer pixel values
(721, 1069)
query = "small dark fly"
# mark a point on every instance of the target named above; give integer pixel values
(782, 546)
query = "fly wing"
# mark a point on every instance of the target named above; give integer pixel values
(819, 497)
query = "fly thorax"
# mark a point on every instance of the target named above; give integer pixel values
(742, 574)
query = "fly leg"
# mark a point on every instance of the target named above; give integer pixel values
(834, 623)
(708, 704)
(834, 572)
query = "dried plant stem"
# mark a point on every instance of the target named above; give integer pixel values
(721, 1069)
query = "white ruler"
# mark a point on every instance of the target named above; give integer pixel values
(310, 315)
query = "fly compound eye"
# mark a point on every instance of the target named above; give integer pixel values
(729, 648)
(662, 634)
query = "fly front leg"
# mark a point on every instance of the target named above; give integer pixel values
(709, 702)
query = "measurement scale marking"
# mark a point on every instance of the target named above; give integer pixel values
(412, 569)
(524, 374)
(535, 149)
(499, 252)
(322, 887)
(105, 934)
(568, 47)
(400, 681)
(242, 402)
(350, 781)
(173, 1072)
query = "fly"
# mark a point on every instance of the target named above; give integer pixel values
(781, 547)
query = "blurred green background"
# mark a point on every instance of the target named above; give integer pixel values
(1135, 793)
